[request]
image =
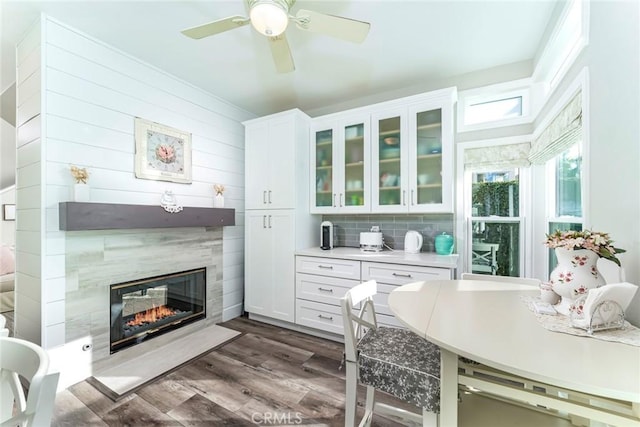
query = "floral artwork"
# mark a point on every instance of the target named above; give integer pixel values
(595, 241)
(162, 153)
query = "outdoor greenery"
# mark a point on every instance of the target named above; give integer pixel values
(497, 198)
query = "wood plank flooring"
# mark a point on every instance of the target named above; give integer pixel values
(267, 376)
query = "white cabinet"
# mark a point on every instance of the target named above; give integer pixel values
(268, 274)
(322, 282)
(407, 162)
(271, 153)
(340, 159)
(412, 156)
(277, 218)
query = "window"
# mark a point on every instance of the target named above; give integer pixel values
(565, 193)
(495, 223)
(503, 104)
(491, 111)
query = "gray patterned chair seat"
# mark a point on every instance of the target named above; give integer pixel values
(399, 362)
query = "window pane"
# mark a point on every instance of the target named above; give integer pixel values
(495, 193)
(562, 226)
(495, 248)
(568, 175)
(493, 110)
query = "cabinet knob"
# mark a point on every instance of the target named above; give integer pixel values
(325, 317)
(269, 196)
(329, 267)
(264, 197)
(325, 290)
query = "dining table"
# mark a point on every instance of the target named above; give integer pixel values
(489, 323)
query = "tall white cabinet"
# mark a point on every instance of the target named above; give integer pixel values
(277, 218)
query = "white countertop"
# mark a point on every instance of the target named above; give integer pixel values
(424, 259)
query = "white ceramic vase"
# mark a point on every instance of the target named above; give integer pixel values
(81, 192)
(218, 201)
(574, 275)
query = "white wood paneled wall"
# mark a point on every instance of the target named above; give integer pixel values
(92, 93)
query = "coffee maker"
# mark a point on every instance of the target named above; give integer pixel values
(326, 235)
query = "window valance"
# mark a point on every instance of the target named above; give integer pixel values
(563, 131)
(497, 157)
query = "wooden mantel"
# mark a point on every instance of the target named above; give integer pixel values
(76, 216)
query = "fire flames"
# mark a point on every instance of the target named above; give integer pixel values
(151, 315)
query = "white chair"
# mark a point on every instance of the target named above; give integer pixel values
(392, 360)
(519, 280)
(30, 362)
(484, 257)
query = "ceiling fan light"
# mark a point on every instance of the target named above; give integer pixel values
(269, 18)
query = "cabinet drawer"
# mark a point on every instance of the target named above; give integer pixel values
(343, 268)
(327, 290)
(398, 274)
(319, 316)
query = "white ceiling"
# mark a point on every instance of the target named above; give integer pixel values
(410, 44)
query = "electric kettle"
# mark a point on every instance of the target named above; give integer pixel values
(412, 242)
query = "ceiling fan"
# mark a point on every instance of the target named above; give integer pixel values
(270, 18)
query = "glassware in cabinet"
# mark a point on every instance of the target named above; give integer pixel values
(324, 172)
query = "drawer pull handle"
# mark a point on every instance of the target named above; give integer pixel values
(326, 290)
(330, 267)
(325, 317)
(401, 275)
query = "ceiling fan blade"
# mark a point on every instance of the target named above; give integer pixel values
(281, 54)
(216, 27)
(334, 26)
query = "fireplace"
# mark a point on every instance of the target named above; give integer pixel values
(143, 309)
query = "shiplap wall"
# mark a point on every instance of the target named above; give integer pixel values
(91, 95)
(29, 189)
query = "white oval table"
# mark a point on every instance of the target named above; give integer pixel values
(488, 322)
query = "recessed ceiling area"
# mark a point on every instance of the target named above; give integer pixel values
(411, 46)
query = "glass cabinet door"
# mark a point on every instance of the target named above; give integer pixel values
(428, 166)
(355, 167)
(324, 171)
(389, 146)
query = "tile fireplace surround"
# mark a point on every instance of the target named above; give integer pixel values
(97, 259)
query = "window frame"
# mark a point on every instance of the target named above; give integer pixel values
(494, 93)
(464, 237)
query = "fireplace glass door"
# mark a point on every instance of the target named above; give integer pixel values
(145, 308)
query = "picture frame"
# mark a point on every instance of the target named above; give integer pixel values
(8, 212)
(163, 153)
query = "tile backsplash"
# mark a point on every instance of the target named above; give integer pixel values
(347, 228)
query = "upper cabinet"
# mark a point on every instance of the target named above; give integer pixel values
(407, 161)
(271, 147)
(340, 159)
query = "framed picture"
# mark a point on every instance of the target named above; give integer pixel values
(162, 153)
(9, 212)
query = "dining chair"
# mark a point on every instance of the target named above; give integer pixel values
(484, 257)
(392, 360)
(26, 360)
(519, 280)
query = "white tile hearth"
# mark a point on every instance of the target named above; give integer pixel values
(159, 356)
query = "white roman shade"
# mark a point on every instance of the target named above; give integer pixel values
(497, 157)
(563, 131)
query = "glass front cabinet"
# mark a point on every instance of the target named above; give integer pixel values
(340, 159)
(395, 157)
(413, 158)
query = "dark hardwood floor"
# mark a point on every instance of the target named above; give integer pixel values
(266, 376)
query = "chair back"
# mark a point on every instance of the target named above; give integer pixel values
(519, 280)
(357, 321)
(20, 358)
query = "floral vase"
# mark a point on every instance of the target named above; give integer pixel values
(218, 201)
(574, 275)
